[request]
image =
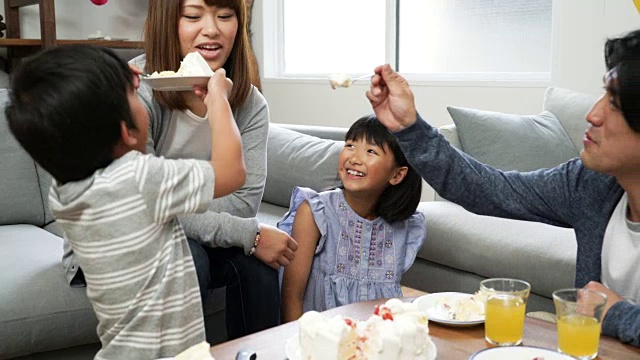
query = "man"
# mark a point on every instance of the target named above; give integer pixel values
(598, 195)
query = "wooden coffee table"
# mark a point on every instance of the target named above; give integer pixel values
(452, 342)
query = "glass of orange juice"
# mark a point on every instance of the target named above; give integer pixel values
(579, 314)
(506, 301)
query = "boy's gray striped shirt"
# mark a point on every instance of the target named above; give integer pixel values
(141, 281)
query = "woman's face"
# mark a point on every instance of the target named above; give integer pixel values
(209, 30)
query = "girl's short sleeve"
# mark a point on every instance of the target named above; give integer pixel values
(317, 205)
(415, 236)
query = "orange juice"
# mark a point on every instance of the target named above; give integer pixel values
(578, 335)
(504, 319)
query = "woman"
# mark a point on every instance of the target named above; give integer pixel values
(220, 239)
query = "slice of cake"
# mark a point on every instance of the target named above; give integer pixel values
(397, 330)
(194, 65)
(327, 338)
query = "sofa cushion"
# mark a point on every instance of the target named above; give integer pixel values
(571, 109)
(512, 142)
(541, 254)
(40, 311)
(296, 159)
(19, 188)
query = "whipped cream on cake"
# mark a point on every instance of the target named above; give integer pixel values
(192, 65)
(396, 331)
(327, 338)
(340, 80)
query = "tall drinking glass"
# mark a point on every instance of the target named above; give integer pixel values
(579, 314)
(506, 301)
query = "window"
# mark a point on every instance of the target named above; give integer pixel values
(429, 39)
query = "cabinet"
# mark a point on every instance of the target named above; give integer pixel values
(18, 47)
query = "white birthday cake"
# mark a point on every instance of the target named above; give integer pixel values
(396, 330)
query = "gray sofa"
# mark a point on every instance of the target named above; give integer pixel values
(42, 314)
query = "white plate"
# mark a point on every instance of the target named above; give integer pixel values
(431, 303)
(292, 349)
(176, 83)
(518, 353)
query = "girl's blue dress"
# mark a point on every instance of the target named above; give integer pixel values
(356, 259)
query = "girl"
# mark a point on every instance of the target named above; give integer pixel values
(355, 241)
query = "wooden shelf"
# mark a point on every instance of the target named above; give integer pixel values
(18, 47)
(118, 44)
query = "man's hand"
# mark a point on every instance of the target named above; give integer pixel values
(392, 99)
(276, 247)
(612, 296)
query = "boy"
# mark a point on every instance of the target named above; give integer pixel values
(76, 111)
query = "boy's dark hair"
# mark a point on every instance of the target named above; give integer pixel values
(397, 202)
(622, 57)
(65, 108)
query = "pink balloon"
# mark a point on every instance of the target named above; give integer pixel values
(99, 2)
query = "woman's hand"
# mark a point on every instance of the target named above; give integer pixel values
(276, 247)
(392, 99)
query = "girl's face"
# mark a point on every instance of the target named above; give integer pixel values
(367, 168)
(209, 30)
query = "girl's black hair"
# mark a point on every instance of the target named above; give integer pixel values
(397, 202)
(622, 57)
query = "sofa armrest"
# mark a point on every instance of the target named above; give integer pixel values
(541, 254)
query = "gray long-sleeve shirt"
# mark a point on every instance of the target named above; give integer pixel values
(568, 195)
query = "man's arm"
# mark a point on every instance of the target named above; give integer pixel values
(622, 321)
(621, 318)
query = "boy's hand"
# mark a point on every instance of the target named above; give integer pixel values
(276, 247)
(392, 99)
(218, 85)
(135, 72)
